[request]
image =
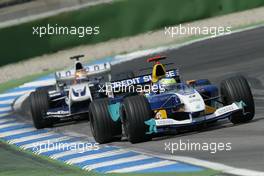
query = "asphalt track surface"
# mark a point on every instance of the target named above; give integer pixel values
(215, 59)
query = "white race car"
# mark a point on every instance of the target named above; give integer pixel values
(69, 99)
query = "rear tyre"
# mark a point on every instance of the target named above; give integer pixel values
(39, 105)
(103, 128)
(47, 88)
(236, 89)
(135, 111)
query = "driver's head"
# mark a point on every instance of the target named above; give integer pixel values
(80, 74)
(167, 83)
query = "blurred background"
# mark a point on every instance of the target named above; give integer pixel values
(117, 19)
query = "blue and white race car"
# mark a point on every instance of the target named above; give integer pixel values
(70, 98)
(167, 104)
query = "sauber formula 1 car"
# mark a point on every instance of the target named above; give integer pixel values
(174, 104)
(69, 99)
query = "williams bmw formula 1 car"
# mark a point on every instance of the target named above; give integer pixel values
(69, 99)
(171, 105)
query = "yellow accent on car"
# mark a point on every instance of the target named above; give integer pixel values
(209, 109)
(161, 114)
(158, 72)
(190, 82)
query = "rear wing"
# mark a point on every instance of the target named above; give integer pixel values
(156, 59)
(144, 79)
(92, 70)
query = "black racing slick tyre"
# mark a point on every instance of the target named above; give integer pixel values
(39, 105)
(135, 111)
(103, 128)
(236, 89)
(47, 88)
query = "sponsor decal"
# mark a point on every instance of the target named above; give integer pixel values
(141, 79)
(226, 109)
(88, 69)
(62, 112)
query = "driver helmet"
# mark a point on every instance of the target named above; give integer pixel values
(167, 84)
(80, 74)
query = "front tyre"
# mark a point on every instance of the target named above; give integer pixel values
(236, 89)
(135, 111)
(39, 105)
(103, 128)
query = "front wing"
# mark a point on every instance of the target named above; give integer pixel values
(158, 125)
(63, 114)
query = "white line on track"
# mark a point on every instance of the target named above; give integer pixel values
(5, 120)
(15, 131)
(143, 167)
(4, 114)
(39, 83)
(16, 93)
(31, 137)
(10, 101)
(198, 162)
(96, 156)
(5, 109)
(70, 152)
(10, 125)
(64, 146)
(117, 161)
(62, 154)
(45, 142)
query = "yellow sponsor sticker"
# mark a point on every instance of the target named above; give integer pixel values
(161, 114)
(209, 110)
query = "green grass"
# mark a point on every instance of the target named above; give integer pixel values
(17, 162)
(117, 19)
(17, 82)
